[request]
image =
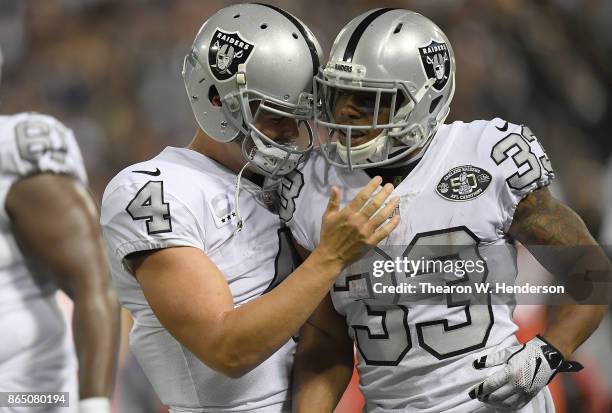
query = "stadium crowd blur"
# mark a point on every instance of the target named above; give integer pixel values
(110, 70)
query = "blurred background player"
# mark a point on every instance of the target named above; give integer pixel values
(198, 252)
(464, 187)
(50, 239)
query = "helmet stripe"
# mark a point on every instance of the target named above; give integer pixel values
(311, 46)
(361, 27)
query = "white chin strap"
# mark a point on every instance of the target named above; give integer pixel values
(371, 151)
(268, 157)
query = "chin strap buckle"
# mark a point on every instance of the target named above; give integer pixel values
(241, 79)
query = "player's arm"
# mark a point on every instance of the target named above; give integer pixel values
(192, 300)
(323, 364)
(540, 219)
(56, 222)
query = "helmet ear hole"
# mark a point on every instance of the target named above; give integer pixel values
(213, 96)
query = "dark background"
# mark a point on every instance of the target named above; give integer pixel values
(110, 70)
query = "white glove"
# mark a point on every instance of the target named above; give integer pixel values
(95, 405)
(528, 368)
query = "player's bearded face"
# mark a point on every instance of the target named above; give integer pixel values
(358, 109)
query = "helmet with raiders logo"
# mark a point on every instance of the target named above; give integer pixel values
(259, 60)
(402, 68)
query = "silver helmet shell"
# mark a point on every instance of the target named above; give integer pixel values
(400, 57)
(246, 53)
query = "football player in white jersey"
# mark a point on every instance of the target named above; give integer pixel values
(198, 254)
(465, 189)
(49, 239)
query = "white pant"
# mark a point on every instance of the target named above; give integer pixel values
(35, 353)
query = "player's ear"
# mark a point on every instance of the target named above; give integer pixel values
(213, 96)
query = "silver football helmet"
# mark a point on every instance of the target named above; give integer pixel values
(260, 60)
(402, 67)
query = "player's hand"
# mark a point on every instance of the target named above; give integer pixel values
(347, 233)
(528, 368)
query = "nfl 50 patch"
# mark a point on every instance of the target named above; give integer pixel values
(463, 183)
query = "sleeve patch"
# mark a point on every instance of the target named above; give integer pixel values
(222, 209)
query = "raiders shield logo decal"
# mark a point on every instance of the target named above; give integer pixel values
(226, 52)
(463, 183)
(436, 63)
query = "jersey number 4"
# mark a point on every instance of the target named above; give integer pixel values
(148, 204)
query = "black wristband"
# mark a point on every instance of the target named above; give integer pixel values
(555, 358)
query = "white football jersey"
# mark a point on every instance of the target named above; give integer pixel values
(39, 356)
(183, 198)
(461, 196)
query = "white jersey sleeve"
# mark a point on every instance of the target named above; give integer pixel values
(520, 159)
(31, 143)
(139, 214)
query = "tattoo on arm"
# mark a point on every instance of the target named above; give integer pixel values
(540, 219)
